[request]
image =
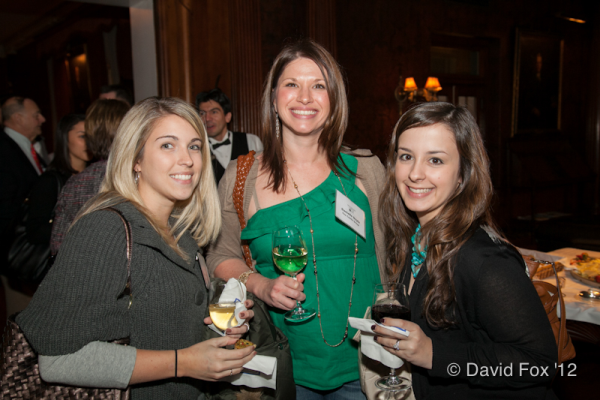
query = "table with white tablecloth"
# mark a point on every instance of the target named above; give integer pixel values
(576, 307)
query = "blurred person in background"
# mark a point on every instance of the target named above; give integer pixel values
(214, 108)
(20, 165)
(101, 122)
(116, 92)
(70, 158)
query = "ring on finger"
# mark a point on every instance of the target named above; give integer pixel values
(230, 372)
(397, 345)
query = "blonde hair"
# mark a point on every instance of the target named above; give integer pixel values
(200, 214)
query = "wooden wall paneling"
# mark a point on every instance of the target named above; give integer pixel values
(593, 128)
(173, 48)
(321, 23)
(210, 47)
(246, 71)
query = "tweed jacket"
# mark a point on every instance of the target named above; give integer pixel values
(80, 299)
(77, 191)
(370, 171)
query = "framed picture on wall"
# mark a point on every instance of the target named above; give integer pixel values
(537, 83)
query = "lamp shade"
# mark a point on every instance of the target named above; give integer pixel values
(433, 84)
(410, 85)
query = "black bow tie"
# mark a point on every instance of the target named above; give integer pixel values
(223, 143)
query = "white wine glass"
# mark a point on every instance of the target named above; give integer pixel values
(290, 256)
(221, 313)
(390, 300)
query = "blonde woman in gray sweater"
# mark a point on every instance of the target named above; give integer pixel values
(157, 179)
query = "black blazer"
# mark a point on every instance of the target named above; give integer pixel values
(17, 177)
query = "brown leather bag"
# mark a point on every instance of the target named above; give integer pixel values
(244, 163)
(550, 296)
(20, 372)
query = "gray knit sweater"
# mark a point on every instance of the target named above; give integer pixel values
(79, 301)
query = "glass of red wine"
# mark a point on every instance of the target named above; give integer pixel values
(390, 300)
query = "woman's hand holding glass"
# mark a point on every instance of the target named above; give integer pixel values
(415, 348)
(209, 360)
(290, 257)
(239, 331)
(281, 293)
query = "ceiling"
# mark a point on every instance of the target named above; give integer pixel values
(22, 21)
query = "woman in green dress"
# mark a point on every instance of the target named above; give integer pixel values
(294, 183)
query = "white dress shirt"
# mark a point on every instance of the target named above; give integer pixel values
(24, 144)
(223, 153)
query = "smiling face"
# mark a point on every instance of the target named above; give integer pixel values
(427, 169)
(215, 119)
(301, 98)
(170, 167)
(77, 148)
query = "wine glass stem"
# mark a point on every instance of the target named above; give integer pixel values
(298, 309)
(393, 379)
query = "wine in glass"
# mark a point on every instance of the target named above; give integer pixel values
(222, 313)
(390, 300)
(290, 256)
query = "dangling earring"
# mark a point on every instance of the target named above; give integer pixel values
(276, 125)
(137, 177)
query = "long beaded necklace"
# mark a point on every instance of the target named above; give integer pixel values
(315, 264)
(418, 255)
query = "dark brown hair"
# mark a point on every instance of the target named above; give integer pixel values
(335, 126)
(466, 210)
(62, 158)
(101, 122)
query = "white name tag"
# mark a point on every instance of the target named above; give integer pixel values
(350, 214)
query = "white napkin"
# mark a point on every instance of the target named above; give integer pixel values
(261, 371)
(234, 292)
(538, 255)
(372, 349)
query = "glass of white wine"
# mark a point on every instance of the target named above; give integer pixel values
(222, 314)
(290, 256)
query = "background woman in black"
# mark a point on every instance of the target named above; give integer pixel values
(70, 157)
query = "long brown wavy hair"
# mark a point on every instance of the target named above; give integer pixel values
(335, 126)
(466, 210)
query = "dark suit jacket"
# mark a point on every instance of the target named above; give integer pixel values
(17, 177)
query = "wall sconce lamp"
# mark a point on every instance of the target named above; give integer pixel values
(411, 93)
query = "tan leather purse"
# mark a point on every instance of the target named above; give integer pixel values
(550, 296)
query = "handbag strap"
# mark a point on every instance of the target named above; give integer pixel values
(244, 163)
(127, 291)
(562, 330)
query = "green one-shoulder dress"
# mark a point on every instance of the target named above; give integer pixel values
(316, 365)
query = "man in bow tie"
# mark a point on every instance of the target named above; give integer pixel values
(215, 110)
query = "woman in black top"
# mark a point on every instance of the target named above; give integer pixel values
(478, 329)
(70, 157)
